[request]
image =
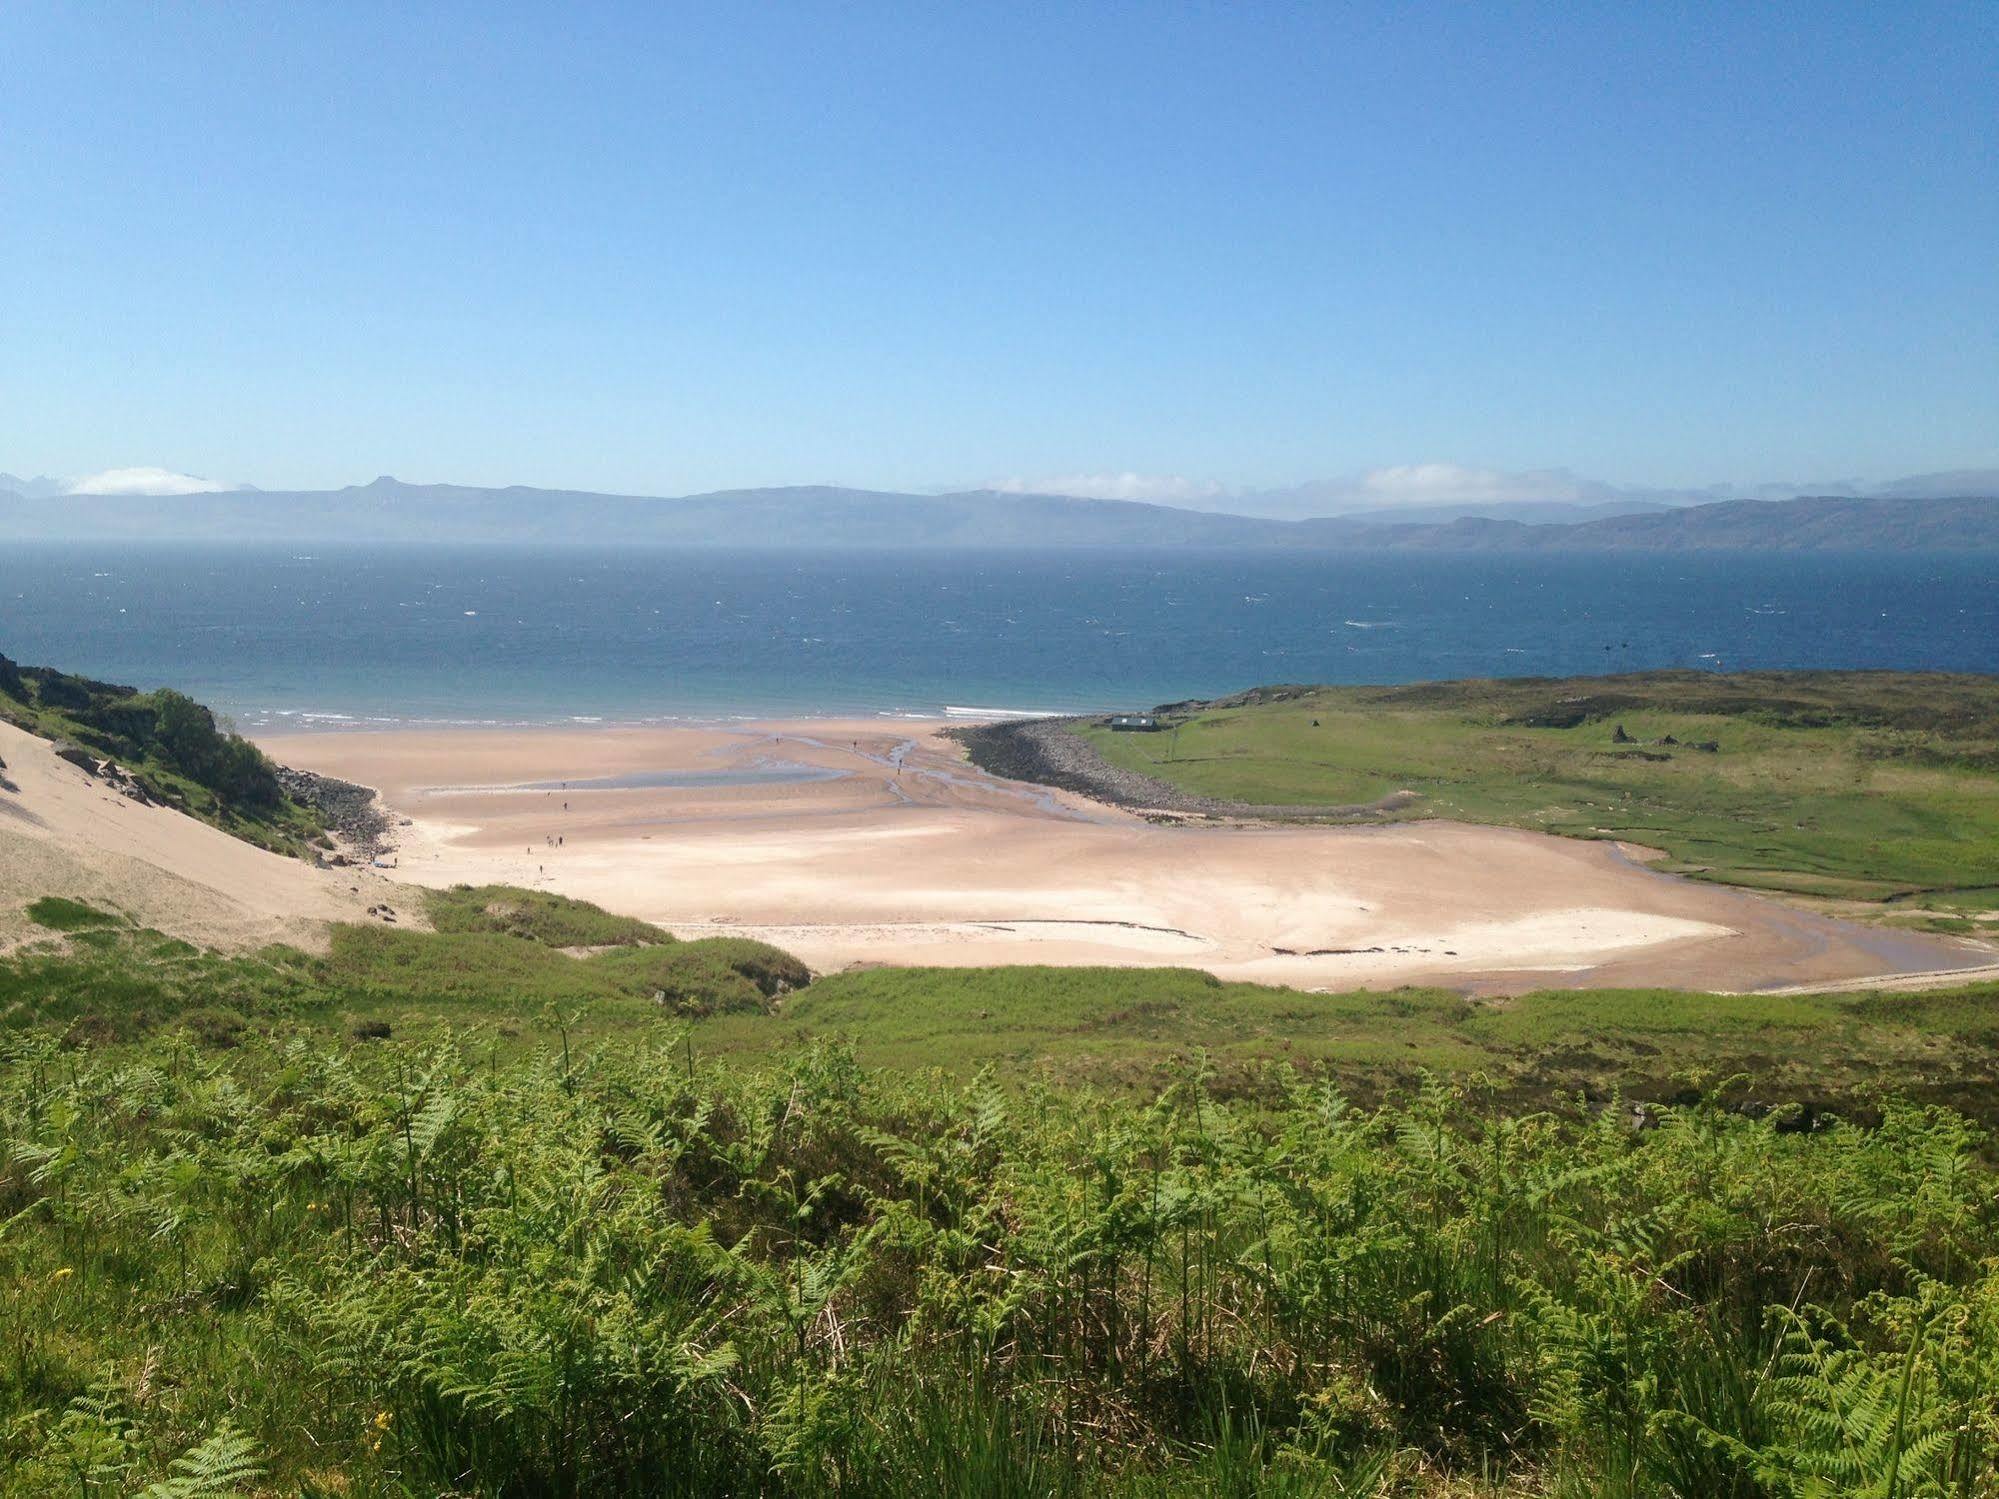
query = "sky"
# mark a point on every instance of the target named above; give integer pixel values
(1168, 250)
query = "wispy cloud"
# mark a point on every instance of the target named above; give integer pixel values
(1166, 489)
(160, 481)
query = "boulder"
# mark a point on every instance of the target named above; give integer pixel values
(77, 755)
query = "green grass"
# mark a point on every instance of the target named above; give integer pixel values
(491, 1210)
(112, 983)
(390, 1269)
(1118, 1028)
(60, 914)
(1861, 785)
(1130, 1028)
(538, 915)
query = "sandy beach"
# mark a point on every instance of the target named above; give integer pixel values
(873, 841)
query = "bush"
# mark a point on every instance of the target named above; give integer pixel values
(60, 914)
(712, 976)
(186, 737)
(214, 1026)
(537, 915)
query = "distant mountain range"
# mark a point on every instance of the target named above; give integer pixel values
(389, 510)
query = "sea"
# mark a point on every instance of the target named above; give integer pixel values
(295, 637)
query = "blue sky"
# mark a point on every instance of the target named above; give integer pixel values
(664, 249)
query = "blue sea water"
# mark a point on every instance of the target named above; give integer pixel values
(278, 637)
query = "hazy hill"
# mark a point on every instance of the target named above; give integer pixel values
(389, 510)
(1812, 524)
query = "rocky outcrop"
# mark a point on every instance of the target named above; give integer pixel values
(127, 785)
(114, 776)
(351, 811)
(77, 755)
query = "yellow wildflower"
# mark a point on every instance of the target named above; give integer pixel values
(62, 1275)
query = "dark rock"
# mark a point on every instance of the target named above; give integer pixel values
(347, 809)
(1620, 737)
(77, 755)
(1707, 747)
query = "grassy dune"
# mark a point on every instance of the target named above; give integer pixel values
(1873, 786)
(512, 973)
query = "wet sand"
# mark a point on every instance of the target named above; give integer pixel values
(874, 841)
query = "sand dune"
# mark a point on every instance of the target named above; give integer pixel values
(64, 833)
(867, 842)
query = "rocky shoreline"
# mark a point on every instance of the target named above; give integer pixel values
(1047, 752)
(352, 813)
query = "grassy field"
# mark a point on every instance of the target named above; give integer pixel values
(1132, 1028)
(529, 974)
(509, 960)
(545, 1202)
(1863, 785)
(294, 1264)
